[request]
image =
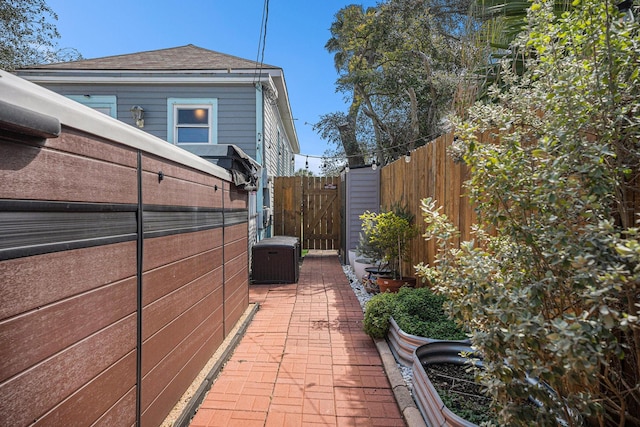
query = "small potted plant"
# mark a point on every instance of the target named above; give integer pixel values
(390, 232)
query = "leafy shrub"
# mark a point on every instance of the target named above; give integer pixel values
(550, 282)
(417, 312)
(377, 314)
(389, 233)
(420, 312)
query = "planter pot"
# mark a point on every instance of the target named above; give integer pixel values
(359, 267)
(352, 259)
(429, 402)
(403, 345)
(371, 277)
(388, 284)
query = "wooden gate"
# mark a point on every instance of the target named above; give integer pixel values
(308, 208)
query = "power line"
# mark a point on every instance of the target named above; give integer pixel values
(262, 39)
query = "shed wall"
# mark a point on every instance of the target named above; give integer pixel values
(362, 194)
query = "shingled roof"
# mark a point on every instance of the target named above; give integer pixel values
(187, 57)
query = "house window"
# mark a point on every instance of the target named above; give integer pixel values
(104, 103)
(192, 121)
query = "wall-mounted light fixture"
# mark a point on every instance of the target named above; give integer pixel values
(137, 112)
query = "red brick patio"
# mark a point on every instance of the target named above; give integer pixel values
(304, 360)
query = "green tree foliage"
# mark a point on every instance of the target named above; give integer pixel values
(390, 232)
(399, 65)
(304, 172)
(499, 23)
(28, 35)
(551, 283)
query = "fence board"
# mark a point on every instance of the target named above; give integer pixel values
(430, 173)
(308, 208)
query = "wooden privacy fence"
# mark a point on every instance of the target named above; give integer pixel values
(308, 208)
(430, 173)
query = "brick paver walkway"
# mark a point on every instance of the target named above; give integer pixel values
(304, 360)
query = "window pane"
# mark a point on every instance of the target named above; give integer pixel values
(193, 135)
(193, 116)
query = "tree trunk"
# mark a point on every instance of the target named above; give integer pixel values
(347, 131)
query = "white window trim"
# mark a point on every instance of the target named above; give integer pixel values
(210, 103)
(98, 101)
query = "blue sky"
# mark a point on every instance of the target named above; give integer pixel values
(297, 31)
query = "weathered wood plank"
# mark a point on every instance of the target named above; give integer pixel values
(309, 208)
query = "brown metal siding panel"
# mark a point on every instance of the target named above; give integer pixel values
(162, 250)
(236, 297)
(172, 369)
(123, 413)
(179, 186)
(154, 164)
(91, 146)
(234, 249)
(237, 265)
(234, 199)
(68, 317)
(39, 334)
(175, 192)
(44, 174)
(33, 393)
(166, 279)
(98, 398)
(167, 339)
(164, 310)
(236, 232)
(29, 283)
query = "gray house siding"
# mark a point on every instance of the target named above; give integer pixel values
(236, 107)
(250, 100)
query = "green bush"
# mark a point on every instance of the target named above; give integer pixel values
(378, 310)
(550, 280)
(420, 312)
(417, 312)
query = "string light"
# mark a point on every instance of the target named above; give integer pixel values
(429, 138)
(306, 164)
(374, 164)
(407, 157)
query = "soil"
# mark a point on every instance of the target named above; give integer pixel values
(459, 392)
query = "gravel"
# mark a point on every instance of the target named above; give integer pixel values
(364, 296)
